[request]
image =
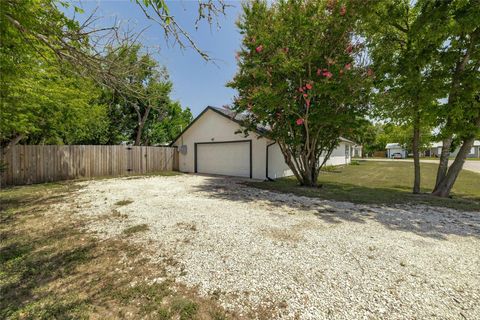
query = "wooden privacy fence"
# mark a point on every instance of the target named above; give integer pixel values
(26, 164)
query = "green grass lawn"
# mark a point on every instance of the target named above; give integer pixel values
(378, 182)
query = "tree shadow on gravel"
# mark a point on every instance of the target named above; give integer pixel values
(421, 219)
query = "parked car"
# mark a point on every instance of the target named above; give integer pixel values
(397, 155)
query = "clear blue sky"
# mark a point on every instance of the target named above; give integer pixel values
(196, 83)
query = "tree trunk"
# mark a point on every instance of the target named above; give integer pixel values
(305, 168)
(445, 186)
(11, 143)
(443, 165)
(416, 153)
(141, 125)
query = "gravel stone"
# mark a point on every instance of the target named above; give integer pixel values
(297, 257)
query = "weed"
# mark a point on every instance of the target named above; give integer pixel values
(187, 226)
(118, 214)
(185, 308)
(123, 202)
(135, 229)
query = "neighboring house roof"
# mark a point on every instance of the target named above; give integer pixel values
(234, 116)
(393, 146)
(439, 144)
(346, 140)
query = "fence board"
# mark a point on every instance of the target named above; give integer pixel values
(27, 164)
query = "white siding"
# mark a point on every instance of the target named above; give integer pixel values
(277, 167)
(214, 127)
(339, 155)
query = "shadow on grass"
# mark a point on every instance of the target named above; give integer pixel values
(50, 268)
(32, 264)
(385, 206)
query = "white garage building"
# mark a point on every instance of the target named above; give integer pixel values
(213, 144)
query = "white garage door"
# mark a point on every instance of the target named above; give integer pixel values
(225, 158)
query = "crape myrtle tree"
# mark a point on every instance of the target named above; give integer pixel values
(300, 76)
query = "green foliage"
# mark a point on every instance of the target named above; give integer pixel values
(454, 35)
(41, 100)
(405, 85)
(47, 101)
(141, 107)
(299, 75)
(163, 128)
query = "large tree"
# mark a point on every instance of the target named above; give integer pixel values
(142, 101)
(455, 25)
(405, 82)
(42, 101)
(300, 76)
(165, 125)
(427, 57)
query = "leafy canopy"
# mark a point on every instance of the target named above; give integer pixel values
(300, 75)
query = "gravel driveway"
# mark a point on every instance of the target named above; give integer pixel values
(282, 256)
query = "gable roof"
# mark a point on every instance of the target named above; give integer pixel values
(235, 117)
(229, 114)
(393, 146)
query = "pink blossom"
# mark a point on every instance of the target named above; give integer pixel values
(305, 95)
(307, 102)
(308, 86)
(299, 121)
(300, 89)
(343, 10)
(348, 66)
(259, 49)
(327, 74)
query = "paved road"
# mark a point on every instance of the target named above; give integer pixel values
(472, 165)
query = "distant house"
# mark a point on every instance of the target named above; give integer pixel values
(357, 151)
(394, 149)
(436, 149)
(213, 143)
